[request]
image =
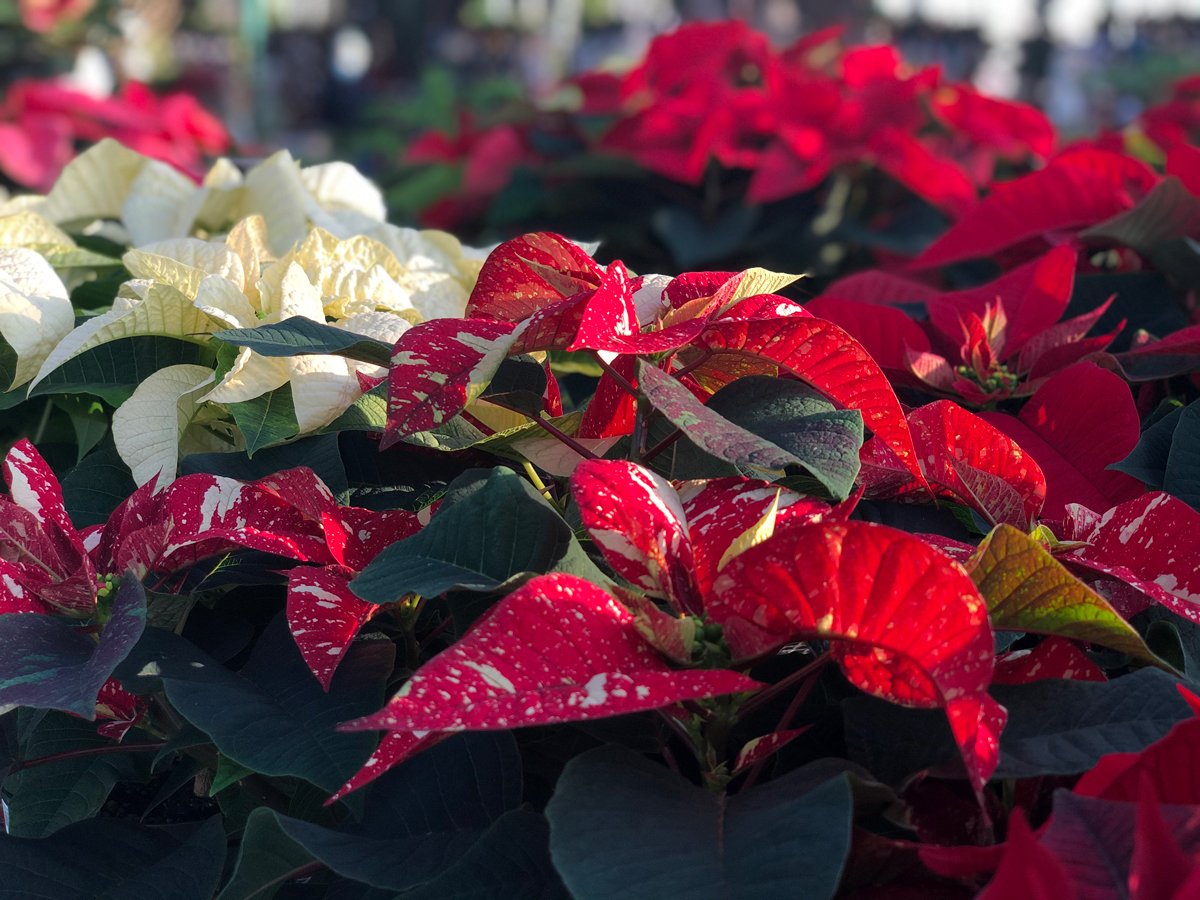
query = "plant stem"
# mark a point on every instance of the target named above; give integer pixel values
(687, 370)
(622, 382)
(784, 721)
(83, 752)
(770, 693)
(661, 445)
(566, 439)
(487, 430)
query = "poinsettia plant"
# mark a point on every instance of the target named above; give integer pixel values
(718, 149)
(339, 559)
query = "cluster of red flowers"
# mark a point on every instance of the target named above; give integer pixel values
(44, 123)
(718, 92)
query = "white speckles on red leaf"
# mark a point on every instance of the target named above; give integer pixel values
(636, 519)
(438, 367)
(964, 457)
(528, 273)
(906, 624)
(324, 616)
(558, 649)
(1152, 543)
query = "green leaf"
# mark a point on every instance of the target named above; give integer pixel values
(299, 336)
(1147, 462)
(624, 828)
(267, 859)
(114, 369)
(8, 368)
(367, 413)
(228, 773)
(511, 859)
(47, 664)
(503, 531)
(1055, 727)
(764, 425)
(97, 486)
(50, 796)
(75, 257)
(1182, 475)
(267, 419)
(320, 453)
(272, 717)
(518, 384)
(1027, 589)
(107, 859)
(423, 817)
(88, 420)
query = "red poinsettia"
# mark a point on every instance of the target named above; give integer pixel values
(983, 344)
(43, 122)
(764, 564)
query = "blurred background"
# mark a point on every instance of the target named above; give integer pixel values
(353, 78)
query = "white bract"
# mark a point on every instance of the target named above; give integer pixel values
(35, 313)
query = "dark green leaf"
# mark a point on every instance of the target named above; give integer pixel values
(511, 860)
(299, 336)
(97, 486)
(88, 420)
(113, 860)
(50, 796)
(1054, 727)
(272, 716)
(790, 415)
(506, 529)
(1182, 475)
(623, 828)
(421, 817)
(319, 453)
(267, 859)
(367, 413)
(267, 419)
(114, 369)
(1147, 462)
(518, 384)
(46, 664)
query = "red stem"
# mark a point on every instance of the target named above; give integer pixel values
(705, 357)
(488, 431)
(784, 721)
(622, 382)
(770, 693)
(662, 445)
(21, 764)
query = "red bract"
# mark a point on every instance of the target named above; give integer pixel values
(558, 649)
(324, 615)
(672, 543)
(1079, 422)
(43, 121)
(1077, 188)
(965, 458)
(46, 562)
(1151, 543)
(904, 622)
(1054, 657)
(1165, 772)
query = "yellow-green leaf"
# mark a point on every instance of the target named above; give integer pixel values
(1027, 589)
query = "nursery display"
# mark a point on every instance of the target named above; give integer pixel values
(345, 559)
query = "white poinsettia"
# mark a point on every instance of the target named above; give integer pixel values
(35, 313)
(153, 201)
(322, 386)
(162, 417)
